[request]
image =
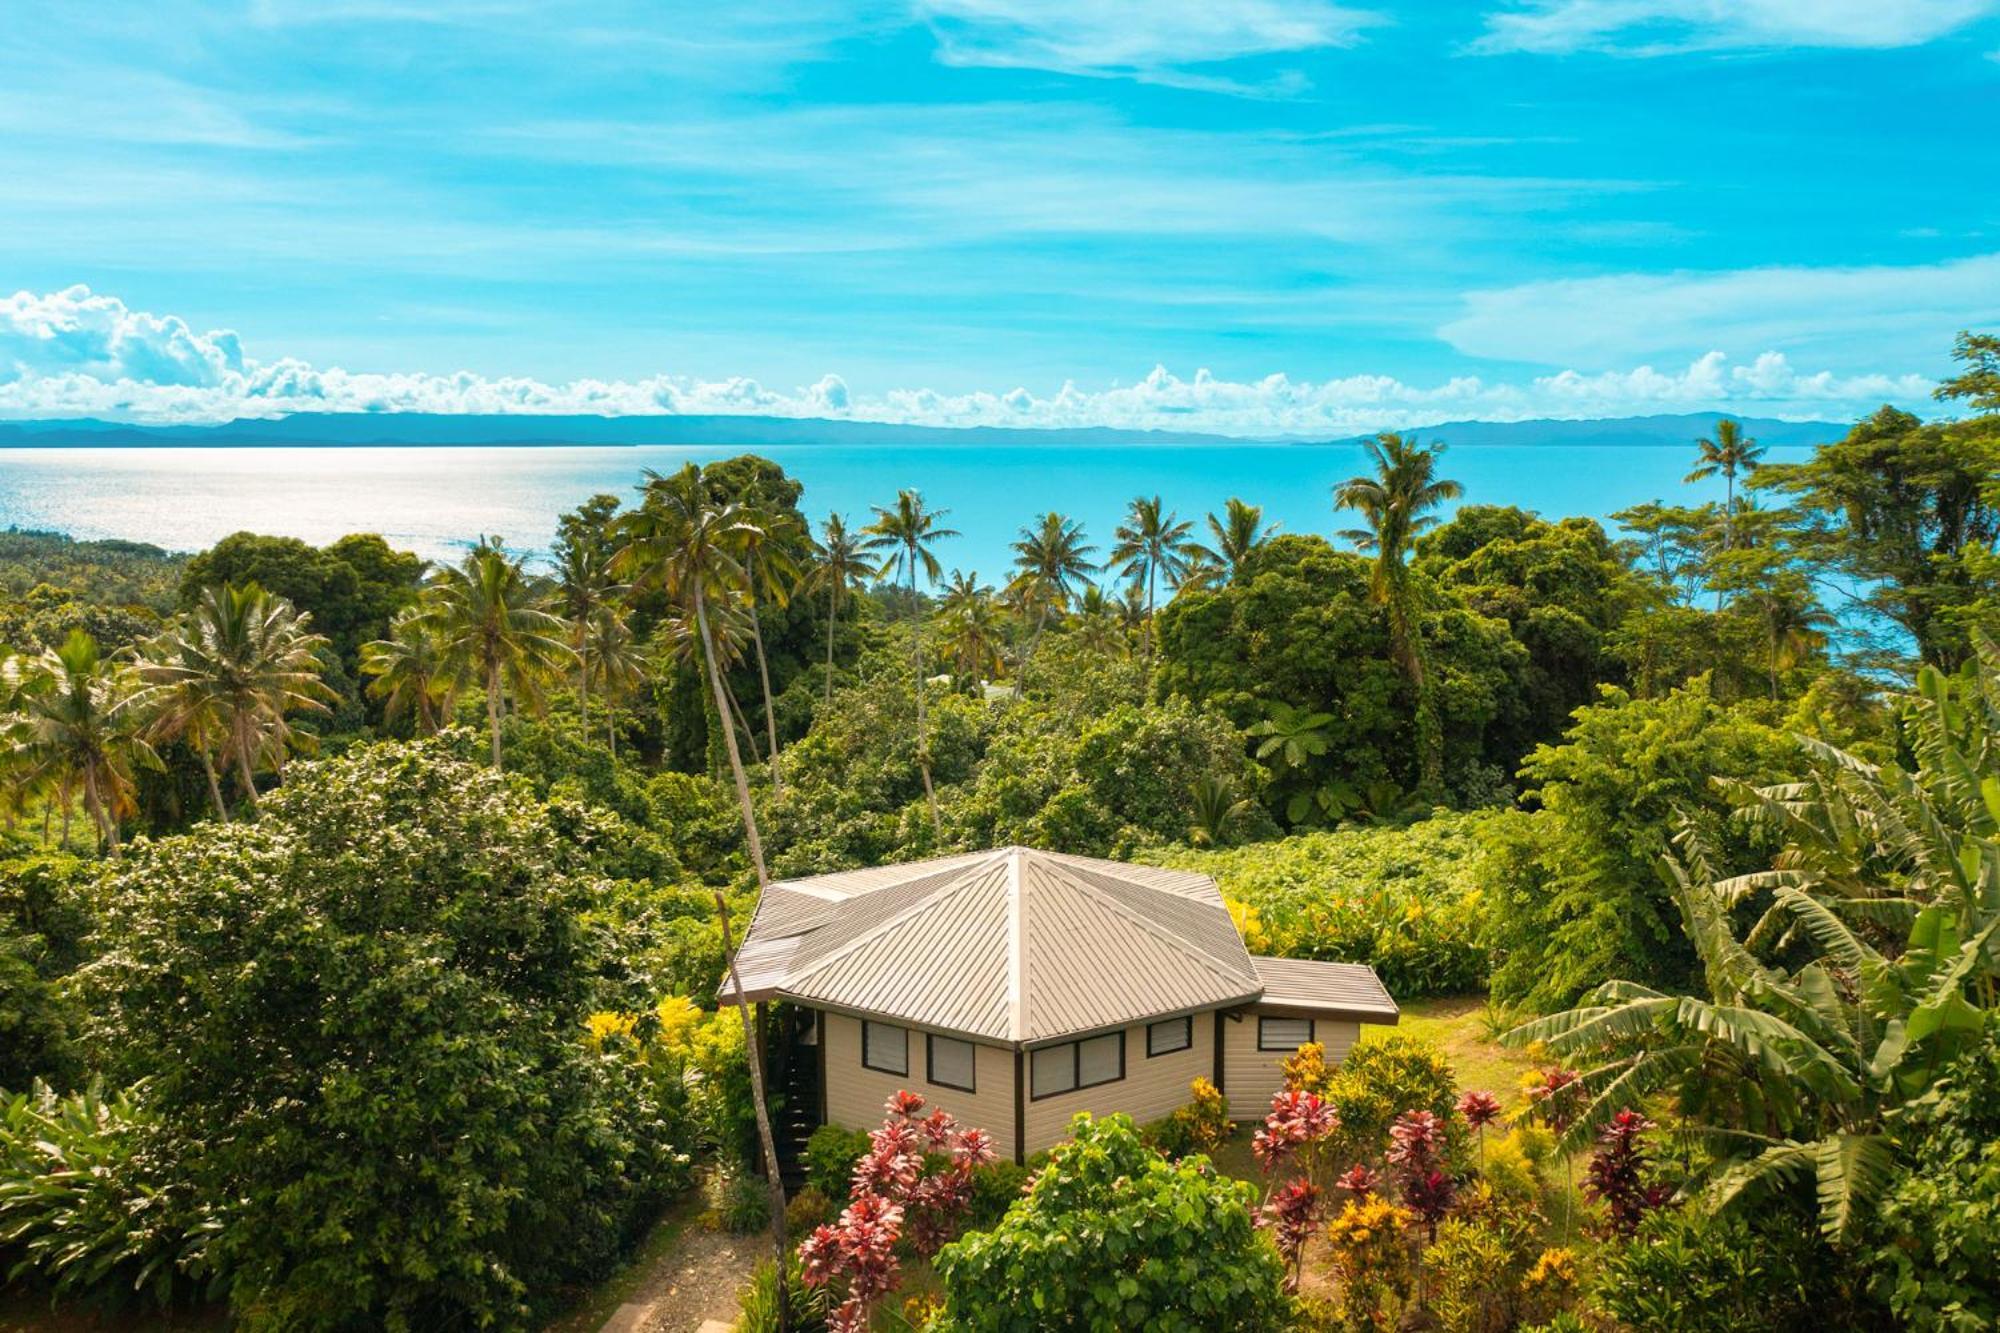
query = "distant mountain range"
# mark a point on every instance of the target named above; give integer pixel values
(423, 428)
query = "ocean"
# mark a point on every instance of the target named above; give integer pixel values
(438, 500)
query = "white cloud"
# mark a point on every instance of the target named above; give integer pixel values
(77, 353)
(1661, 27)
(1159, 42)
(1846, 315)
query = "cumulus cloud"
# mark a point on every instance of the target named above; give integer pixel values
(1157, 43)
(78, 353)
(1662, 27)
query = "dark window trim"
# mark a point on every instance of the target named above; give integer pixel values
(1186, 1022)
(931, 1040)
(1312, 1031)
(904, 1072)
(1075, 1049)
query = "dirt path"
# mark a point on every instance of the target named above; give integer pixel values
(699, 1278)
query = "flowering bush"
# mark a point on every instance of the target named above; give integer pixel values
(1202, 1125)
(1381, 1078)
(1371, 1262)
(897, 1192)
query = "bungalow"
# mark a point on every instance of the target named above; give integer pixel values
(1017, 987)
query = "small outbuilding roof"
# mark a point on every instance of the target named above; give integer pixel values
(1349, 990)
(1020, 946)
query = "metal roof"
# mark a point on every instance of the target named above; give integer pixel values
(1336, 988)
(1014, 945)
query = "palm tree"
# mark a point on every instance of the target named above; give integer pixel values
(772, 575)
(840, 568)
(187, 711)
(1051, 559)
(1236, 533)
(1729, 453)
(1153, 545)
(1397, 504)
(1097, 625)
(1795, 626)
(692, 546)
(616, 664)
(583, 572)
(973, 629)
(410, 671)
(493, 628)
(906, 533)
(245, 660)
(1218, 811)
(81, 728)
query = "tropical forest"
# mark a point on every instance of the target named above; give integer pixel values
(365, 919)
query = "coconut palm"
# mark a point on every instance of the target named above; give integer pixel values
(1234, 534)
(617, 664)
(772, 575)
(1097, 624)
(1730, 453)
(1217, 811)
(1795, 626)
(410, 671)
(1397, 504)
(677, 644)
(494, 628)
(974, 628)
(840, 569)
(81, 728)
(188, 712)
(583, 572)
(1153, 547)
(1051, 560)
(243, 660)
(905, 533)
(691, 546)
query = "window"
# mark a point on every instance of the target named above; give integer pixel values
(885, 1048)
(951, 1062)
(1169, 1035)
(1283, 1034)
(1077, 1064)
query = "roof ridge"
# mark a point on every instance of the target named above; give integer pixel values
(1207, 959)
(1072, 861)
(950, 885)
(1017, 954)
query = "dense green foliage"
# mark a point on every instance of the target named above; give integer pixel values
(314, 1012)
(1113, 1236)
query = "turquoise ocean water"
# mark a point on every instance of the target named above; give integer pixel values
(437, 500)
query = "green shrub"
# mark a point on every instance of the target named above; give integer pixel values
(1407, 901)
(1379, 1080)
(1202, 1125)
(807, 1209)
(996, 1187)
(378, 1044)
(760, 1301)
(1688, 1271)
(1937, 1239)
(830, 1156)
(44, 916)
(742, 1204)
(92, 1201)
(1114, 1236)
(1473, 1272)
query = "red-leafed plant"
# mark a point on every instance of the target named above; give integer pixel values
(914, 1183)
(1615, 1177)
(1416, 1156)
(1480, 1109)
(1360, 1181)
(1293, 1213)
(1298, 1124)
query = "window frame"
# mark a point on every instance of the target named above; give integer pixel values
(1075, 1049)
(1312, 1033)
(931, 1039)
(1186, 1023)
(867, 1023)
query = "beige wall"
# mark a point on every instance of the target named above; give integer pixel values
(1251, 1077)
(1150, 1089)
(854, 1094)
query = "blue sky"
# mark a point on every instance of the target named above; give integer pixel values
(1307, 216)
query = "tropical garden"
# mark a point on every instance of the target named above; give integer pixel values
(361, 919)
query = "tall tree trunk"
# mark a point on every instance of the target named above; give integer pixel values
(1034, 642)
(107, 827)
(245, 770)
(1147, 633)
(493, 708)
(923, 733)
(214, 787)
(773, 1180)
(831, 606)
(770, 711)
